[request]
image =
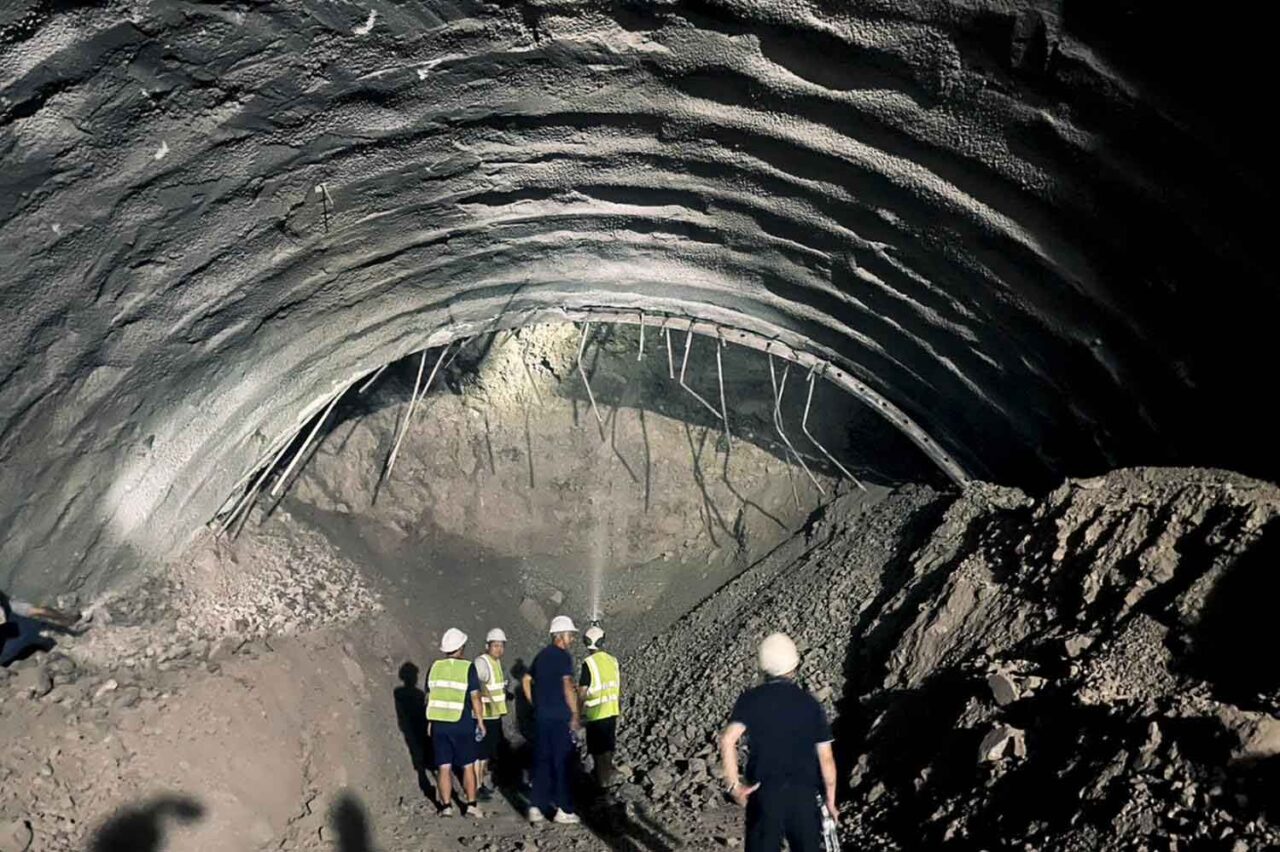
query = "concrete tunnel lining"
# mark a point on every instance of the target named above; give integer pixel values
(983, 216)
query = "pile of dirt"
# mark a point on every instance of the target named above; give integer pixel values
(1088, 670)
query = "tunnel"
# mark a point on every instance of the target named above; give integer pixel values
(394, 313)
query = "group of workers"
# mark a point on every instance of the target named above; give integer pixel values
(790, 775)
(467, 700)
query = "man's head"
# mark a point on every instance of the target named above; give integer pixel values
(563, 631)
(453, 642)
(495, 644)
(778, 656)
(409, 674)
(594, 636)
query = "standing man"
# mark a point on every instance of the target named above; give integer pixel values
(454, 716)
(790, 762)
(548, 686)
(599, 688)
(493, 696)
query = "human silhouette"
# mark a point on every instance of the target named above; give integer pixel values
(141, 828)
(411, 717)
(350, 825)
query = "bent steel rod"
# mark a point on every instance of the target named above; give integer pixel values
(246, 503)
(684, 366)
(275, 491)
(671, 361)
(582, 348)
(804, 427)
(724, 409)
(364, 387)
(779, 388)
(413, 403)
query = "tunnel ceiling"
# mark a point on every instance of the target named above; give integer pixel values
(1031, 226)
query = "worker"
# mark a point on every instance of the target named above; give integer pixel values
(455, 718)
(599, 689)
(493, 696)
(22, 628)
(549, 688)
(791, 767)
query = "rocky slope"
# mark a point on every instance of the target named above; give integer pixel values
(1090, 670)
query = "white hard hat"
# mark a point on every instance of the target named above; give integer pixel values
(563, 624)
(452, 640)
(496, 635)
(594, 634)
(778, 655)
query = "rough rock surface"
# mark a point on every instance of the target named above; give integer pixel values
(1089, 670)
(1031, 226)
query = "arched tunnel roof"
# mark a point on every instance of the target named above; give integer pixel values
(1028, 226)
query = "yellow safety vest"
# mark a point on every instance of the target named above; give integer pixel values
(605, 691)
(447, 685)
(494, 696)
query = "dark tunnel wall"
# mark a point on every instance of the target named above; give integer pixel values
(1028, 225)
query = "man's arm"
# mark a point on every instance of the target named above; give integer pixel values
(47, 614)
(477, 707)
(729, 760)
(526, 684)
(827, 762)
(571, 698)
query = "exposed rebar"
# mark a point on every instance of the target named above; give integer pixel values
(779, 388)
(804, 426)
(413, 403)
(252, 493)
(315, 430)
(582, 347)
(671, 361)
(684, 366)
(640, 354)
(724, 409)
(378, 372)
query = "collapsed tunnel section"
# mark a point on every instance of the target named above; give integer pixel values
(671, 342)
(615, 470)
(984, 220)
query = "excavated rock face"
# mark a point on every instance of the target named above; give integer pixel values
(1028, 226)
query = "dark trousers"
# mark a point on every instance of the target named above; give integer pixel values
(782, 810)
(602, 736)
(20, 635)
(552, 759)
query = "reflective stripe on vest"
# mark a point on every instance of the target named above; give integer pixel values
(605, 690)
(447, 689)
(494, 695)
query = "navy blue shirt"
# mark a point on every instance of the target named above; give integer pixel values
(548, 670)
(468, 718)
(784, 725)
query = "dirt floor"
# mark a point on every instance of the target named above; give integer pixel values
(240, 697)
(1087, 669)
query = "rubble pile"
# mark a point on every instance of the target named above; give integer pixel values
(1094, 669)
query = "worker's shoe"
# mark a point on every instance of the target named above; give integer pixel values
(485, 793)
(566, 818)
(535, 816)
(473, 810)
(446, 811)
